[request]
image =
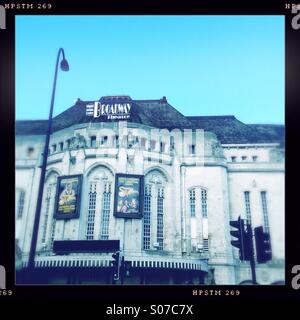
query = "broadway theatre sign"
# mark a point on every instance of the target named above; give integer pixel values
(109, 110)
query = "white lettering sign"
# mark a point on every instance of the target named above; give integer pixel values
(112, 111)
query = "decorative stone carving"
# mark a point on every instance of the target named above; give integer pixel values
(155, 179)
(131, 140)
(101, 175)
(78, 142)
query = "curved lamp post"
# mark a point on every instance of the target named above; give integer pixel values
(64, 66)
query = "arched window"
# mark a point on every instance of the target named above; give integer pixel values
(160, 218)
(91, 210)
(194, 229)
(48, 222)
(99, 206)
(198, 217)
(106, 197)
(154, 210)
(204, 219)
(147, 218)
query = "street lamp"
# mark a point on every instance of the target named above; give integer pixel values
(64, 67)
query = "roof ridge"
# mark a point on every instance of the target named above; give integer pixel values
(267, 124)
(213, 117)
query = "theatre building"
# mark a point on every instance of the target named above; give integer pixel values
(163, 185)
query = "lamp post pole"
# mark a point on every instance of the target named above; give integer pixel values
(64, 67)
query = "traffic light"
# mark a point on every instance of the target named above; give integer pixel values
(243, 242)
(263, 245)
(249, 250)
(116, 264)
(239, 235)
(116, 258)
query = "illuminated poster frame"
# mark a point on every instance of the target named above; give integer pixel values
(129, 196)
(68, 196)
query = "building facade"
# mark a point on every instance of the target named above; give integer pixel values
(198, 173)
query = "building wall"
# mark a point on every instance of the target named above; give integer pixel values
(272, 182)
(177, 173)
(214, 180)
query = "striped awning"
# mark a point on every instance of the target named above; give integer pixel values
(140, 262)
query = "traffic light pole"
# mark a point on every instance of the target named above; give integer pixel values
(252, 258)
(241, 222)
(244, 242)
(122, 270)
(253, 272)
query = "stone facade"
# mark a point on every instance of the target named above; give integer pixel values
(201, 185)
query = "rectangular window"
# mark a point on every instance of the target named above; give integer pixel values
(147, 218)
(52, 232)
(105, 211)
(194, 233)
(244, 158)
(91, 211)
(192, 149)
(193, 202)
(247, 206)
(233, 159)
(104, 140)
(152, 144)
(54, 148)
(30, 151)
(20, 206)
(204, 220)
(117, 141)
(160, 218)
(61, 146)
(172, 143)
(254, 158)
(204, 203)
(68, 143)
(205, 245)
(143, 143)
(93, 141)
(263, 195)
(162, 147)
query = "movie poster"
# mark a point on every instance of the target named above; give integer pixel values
(128, 196)
(68, 197)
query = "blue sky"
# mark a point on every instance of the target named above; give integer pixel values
(204, 65)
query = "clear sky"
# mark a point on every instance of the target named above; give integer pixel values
(204, 65)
